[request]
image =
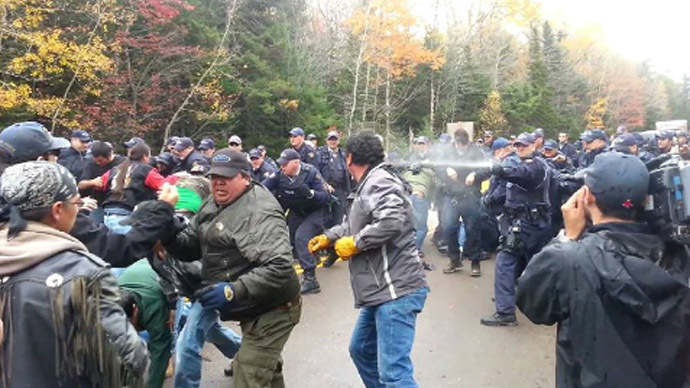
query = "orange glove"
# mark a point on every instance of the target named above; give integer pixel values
(346, 248)
(318, 243)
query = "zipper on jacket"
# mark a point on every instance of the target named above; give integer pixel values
(373, 273)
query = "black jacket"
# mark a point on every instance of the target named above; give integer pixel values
(63, 324)
(623, 320)
(74, 161)
(195, 158)
(464, 163)
(121, 250)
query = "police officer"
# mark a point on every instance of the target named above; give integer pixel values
(566, 148)
(664, 141)
(526, 224)
(267, 159)
(191, 160)
(642, 153)
(208, 147)
(260, 169)
(301, 191)
(306, 151)
(334, 172)
(74, 157)
(461, 188)
(556, 158)
(594, 142)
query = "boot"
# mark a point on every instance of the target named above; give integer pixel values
(498, 319)
(310, 285)
(454, 266)
(228, 371)
(476, 269)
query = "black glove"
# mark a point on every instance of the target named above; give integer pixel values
(497, 169)
(303, 191)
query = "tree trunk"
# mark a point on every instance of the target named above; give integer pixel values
(366, 94)
(432, 96)
(388, 109)
(358, 66)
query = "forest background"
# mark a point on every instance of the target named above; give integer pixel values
(256, 68)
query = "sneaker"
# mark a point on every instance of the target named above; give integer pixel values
(498, 319)
(310, 286)
(453, 266)
(476, 269)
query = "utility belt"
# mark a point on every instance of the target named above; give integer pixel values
(532, 213)
(287, 306)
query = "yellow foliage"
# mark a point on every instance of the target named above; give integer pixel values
(12, 96)
(595, 114)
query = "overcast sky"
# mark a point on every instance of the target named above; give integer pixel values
(656, 30)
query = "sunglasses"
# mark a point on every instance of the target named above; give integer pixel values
(234, 144)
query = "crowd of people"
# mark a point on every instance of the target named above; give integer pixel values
(122, 266)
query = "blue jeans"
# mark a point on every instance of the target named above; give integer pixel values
(202, 325)
(421, 215)
(112, 219)
(382, 341)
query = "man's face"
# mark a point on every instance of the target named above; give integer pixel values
(501, 153)
(421, 148)
(256, 162)
(539, 142)
(525, 151)
(182, 155)
(562, 138)
(226, 190)
(593, 145)
(633, 149)
(65, 213)
(333, 143)
(664, 144)
(235, 146)
(550, 153)
(682, 140)
(102, 160)
(290, 168)
(81, 146)
(209, 152)
(488, 140)
(296, 141)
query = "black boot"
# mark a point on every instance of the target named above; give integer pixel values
(455, 265)
(476, 269)
(309, 284)
(498, 319)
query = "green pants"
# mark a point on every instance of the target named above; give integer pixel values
(258, 363)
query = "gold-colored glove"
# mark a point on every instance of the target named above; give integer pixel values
(318, 243)
(346, 248)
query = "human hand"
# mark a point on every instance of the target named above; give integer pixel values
(89, 204)
(329, 188)
(303, 191)
(574, 216)
(216, 296)
(96, 182)
(169, 194)
(318, 243)
(559, 158)
(469, 180)
(452, 174)
(346, 248)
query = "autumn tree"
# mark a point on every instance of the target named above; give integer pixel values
(491, 116)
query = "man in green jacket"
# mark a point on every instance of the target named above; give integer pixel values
(143, 300)
(241, 237)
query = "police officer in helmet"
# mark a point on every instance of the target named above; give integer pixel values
(525, 224)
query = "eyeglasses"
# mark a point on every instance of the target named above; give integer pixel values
(234, 144)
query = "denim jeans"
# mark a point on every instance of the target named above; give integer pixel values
(421, 215)
(112, 219)
(382, 341)
(202, 325)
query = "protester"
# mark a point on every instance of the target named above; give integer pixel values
(72, 331)
(388, 281)
(242, 239)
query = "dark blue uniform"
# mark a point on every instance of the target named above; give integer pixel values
(305, 197)
(587, 158)
(334, 171)
(492, 206)
(74, 161)
(525, 225)
(308, 154)
(264, 172)
(568, 150)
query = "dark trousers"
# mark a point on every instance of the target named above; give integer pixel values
(302, 229)
(468, 208)
(511, 261)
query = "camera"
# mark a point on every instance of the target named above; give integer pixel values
(667, 210)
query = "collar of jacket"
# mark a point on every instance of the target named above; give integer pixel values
(366, 175)
(623, 227)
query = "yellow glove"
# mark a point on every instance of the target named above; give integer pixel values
(318, 243)
(346, 248)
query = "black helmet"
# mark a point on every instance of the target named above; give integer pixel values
(28, 140)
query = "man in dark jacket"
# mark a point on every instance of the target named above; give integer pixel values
(191, 160)
(241, 237)
(565, 147)
(261, 170)
(102, 159)
(74, 158)
(305, 150)
(71, 330)
(594, 142)
(622, 311)
(378, 236)
(301, 191)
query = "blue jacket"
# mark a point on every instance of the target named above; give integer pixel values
(302, 194)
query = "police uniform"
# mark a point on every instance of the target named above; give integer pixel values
(334, 171)
(304, 197)
(264, 172)
(525, 229)
(308, 154)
